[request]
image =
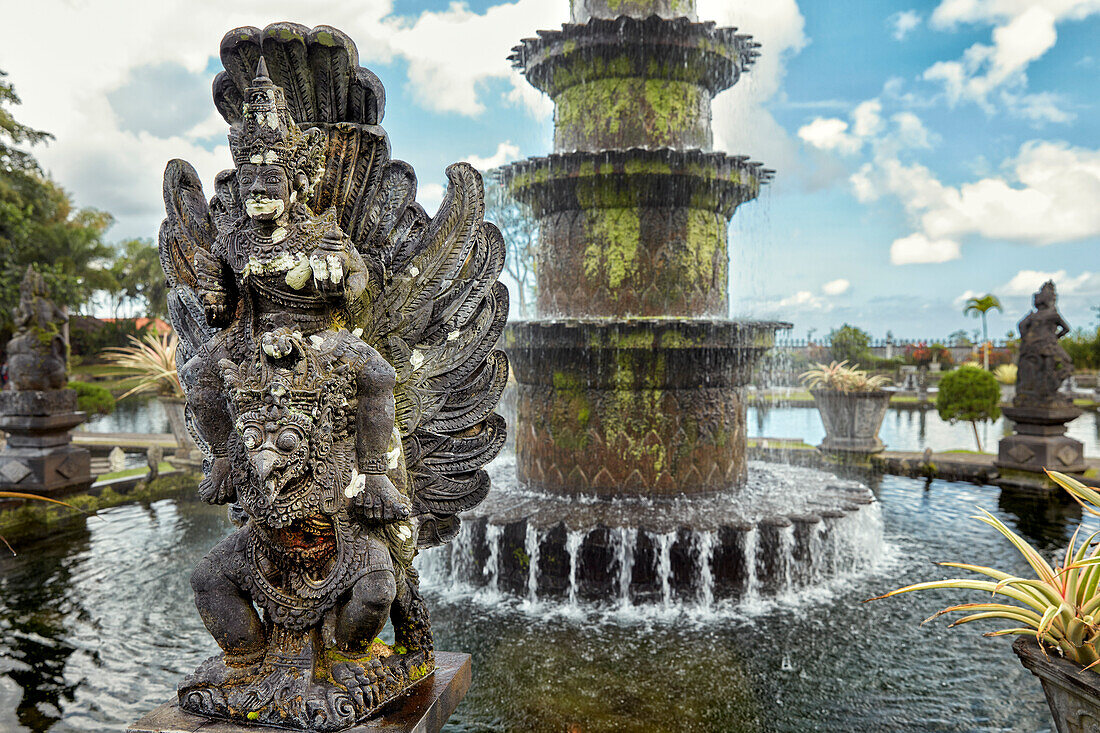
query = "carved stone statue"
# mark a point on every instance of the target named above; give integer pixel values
(1039, 412)
(37, 355)
(38, 412)
(337, 350)
(1042, 364)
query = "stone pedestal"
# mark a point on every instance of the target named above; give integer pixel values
(425, 708)
(39, 456)
(1040, 441)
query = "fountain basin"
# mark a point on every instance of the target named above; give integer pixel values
(787, 529)
(642, 406)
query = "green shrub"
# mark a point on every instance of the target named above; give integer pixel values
(971, 394)
(850, 344)
(1083, 348)
(93, 399)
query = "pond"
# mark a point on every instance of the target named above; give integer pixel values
(910, 430)
(97, 626)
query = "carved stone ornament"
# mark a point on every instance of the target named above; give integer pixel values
(337, 350)
(37, 354)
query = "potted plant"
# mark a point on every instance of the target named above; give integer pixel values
(151, 359)
(1056, 614)
(852, 405)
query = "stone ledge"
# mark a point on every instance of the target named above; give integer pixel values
(424, 709)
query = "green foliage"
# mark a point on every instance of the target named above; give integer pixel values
(139, 278)
(842, 378)
(1083, 348)
(93, 399)
(969, 393)
(40, 226)
(850, 344)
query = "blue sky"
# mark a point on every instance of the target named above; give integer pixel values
(926, 151)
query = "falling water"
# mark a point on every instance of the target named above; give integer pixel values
(624, 554)
(704, 553)
(664, 565)
(531, 547)
(752, 585)
(572, 547)
(786, 559)
(492, 565)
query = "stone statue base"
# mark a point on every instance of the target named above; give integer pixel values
(1040, 441)
(39, 456)
(424, 709)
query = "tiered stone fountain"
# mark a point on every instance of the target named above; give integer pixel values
(630, 381)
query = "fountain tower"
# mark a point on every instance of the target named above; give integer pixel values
(630, 378)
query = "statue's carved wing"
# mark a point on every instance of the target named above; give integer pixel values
(436, 308)
(438, 321)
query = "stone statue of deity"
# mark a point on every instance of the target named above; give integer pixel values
(38, 357)
(337, 347)
(1042, 363)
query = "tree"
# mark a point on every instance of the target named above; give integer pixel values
(39, 224)
(979, 307)
(958, 338)
(521, 237)
(970, 394)
(850, 344)
(139, 277)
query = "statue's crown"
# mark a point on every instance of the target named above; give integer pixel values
(266, 134)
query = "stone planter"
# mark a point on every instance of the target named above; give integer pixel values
(851, 420)
(1072, 693)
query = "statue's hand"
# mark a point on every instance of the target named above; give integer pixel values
(216, 307)
(217, 488)
(379, 499)
(330, 268)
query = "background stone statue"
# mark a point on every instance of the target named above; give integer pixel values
(337, 347)
(37, 354)
(1042, 362)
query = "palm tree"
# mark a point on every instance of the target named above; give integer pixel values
(979, 307)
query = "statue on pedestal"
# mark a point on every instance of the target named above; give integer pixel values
(38, 412)
(337, 347)
(1039, 411)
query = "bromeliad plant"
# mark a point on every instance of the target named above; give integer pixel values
(839, 377)
(1060, 607)
(152, 360)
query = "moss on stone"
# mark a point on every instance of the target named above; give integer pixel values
(611, 256)
(656, 111)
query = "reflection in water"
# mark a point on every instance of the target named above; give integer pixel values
(97, 626)
(912, 430)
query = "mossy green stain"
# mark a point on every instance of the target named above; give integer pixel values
(656, 111)
(611, 257)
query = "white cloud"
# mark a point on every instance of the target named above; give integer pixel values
(829, 133)
(836, 287)
(803, 300)
(452, 53)
(1023, 31)
(1027, 282)
(903, 22)
(506, 152)
(430, 195)
(108, 163)
(867, 118)
(917, 249)
(742, 125)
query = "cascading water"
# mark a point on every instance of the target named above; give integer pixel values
(628, 484)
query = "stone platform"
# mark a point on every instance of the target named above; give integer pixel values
(39, 456)
(424, 709)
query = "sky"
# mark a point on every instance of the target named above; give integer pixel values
(926, 152)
